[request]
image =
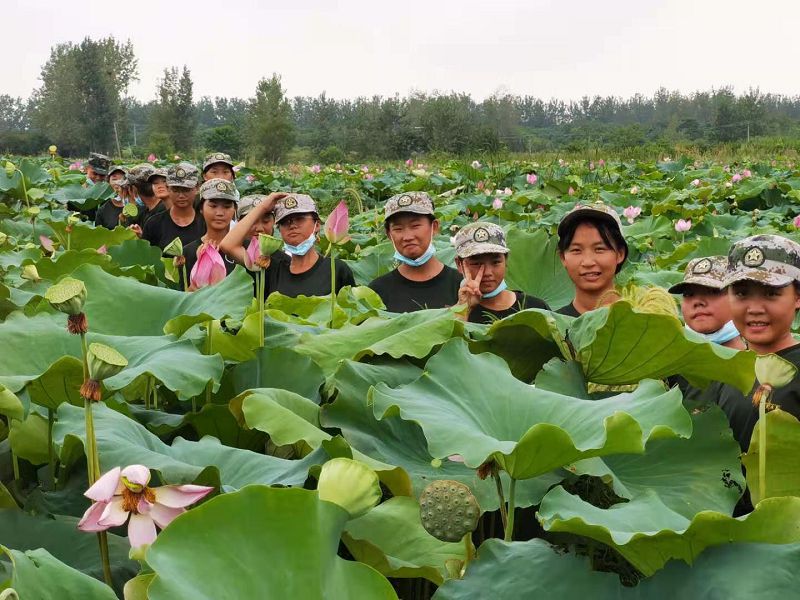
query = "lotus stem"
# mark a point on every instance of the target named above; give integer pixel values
(333, 284)
(511, 509)
(208, 353)
(762, 444)
(154, 392)
(15, 465)
(468, 549)
(185, 279)
(25, 192)
(147, 393)
(260, 291)
(500, 495)
(92, 457)
(102, 538)
(50, 453)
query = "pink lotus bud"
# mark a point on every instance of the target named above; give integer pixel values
(497, 204)
(531, 178)
(480, 185)
(209, 268)
(570, 191)
(508, 191)
(410, 163)
(102, 249)
(682, 225)
(152, 158)
(364, 169)
(796, 221)
(736, 178)
(316, 168)
(631, 212)
(695, 182)
(47, 243)
(476, 164)
(746, 173)
(601, 163)
(337, 224)
(250, 178)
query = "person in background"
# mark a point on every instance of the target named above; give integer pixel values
(97, 168)
(181, 220)
(481, 255)
(592, 249)
(108, 214)
(218, 165)
(421, 280)
(160, 188)
(147, 202)
(254, 215)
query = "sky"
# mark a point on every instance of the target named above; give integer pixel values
(348, 48)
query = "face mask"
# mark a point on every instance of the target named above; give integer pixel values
(138, 201)
(416, 262)
(725, 334)
(89, 181)
(302, 248)
(496, 291)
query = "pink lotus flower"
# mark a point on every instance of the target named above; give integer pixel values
(476, 164)
(570, 191)
(337, 224)
(635, 190)
(47, 243)
(369, 177)
(76, 166)
(736, 178)
(237, 168)
(122, 494)
(695, 182)
(252, 255)
(746, 173)
(102, 249)
(410, 162)
(601, 163)
(315, 169)
(631, 212)
(497, 204)
(683, 226)
(480, 186)
(364, 169)
(209, 268)
(531, 178)
(250, 178)
(796, 221)
(152, 158)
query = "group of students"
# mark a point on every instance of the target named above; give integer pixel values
(747, 300)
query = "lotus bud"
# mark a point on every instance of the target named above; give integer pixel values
(268, 244)
(67, 296)
(130, 210)
(448, 510)
(174, 248)
(350, 484)
(31, 273)
(772, 372)
(10, 168)
(104, 361)
(32, 212)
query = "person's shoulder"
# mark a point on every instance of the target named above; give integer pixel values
(792, 354)
(192, 246)
(526, 301)
(383, 280)
(451, 275)
(155, 219)
(568, 310)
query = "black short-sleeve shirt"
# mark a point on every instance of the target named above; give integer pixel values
(401, 295)
(314, 282)
(481, 314)
(108, 215)
(160, 230)
(569, 310)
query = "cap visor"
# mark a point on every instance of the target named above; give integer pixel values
(421, 210)
(759, 276)
(482, 249)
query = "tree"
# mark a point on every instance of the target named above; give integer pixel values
(224, 139)
(270, 127)
(173, 117)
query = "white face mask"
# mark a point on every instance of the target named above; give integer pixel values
(416, 262)
(302, 248)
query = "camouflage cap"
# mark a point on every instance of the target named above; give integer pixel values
(708, 271)
(769, 259)
(100, 163)
(218, 189)
(294, 204)
(248, 203)
(480, 238)
(141, 173)
(157, 173)
(596, 210)
(419, 203)
(117, 169)
(183, 175)
(217, 157)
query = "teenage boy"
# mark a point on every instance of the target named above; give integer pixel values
(181, 220)
(218, 165)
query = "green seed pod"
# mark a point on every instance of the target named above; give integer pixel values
(448, 510)
(268, 244)
(67, 296)
(130, 210)
(174, 248)
(350, 484)
(774, 371)
(104, 362)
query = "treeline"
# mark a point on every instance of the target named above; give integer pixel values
(83, 105)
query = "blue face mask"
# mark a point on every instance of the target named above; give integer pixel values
(416, 262)
(725, 334)
(302, 248)
(138, 201)
(496, 291)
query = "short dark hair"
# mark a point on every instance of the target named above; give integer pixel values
(388, 221)
(145, 188)
(610, 235)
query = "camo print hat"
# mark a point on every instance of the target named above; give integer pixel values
(183, 175)
(294, 204)
(217, 157)
(218, 189)
(418, 203)
(709, 271)
(248, 203)
(480, 238)
(100, 163)
(141, 173)
(769, 259)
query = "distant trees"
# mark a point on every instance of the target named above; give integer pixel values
(173, 121)
(270, 131)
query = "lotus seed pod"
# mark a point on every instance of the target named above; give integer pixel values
(174, 248)
(268, 244)
(32, 211)
(104, 362)
(67, 296)
(774, 371)
(448, 510)
(350, 484)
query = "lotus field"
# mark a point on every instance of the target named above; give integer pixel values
(334, 450)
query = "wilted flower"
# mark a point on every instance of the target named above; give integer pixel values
(631, 212)
(497, 204)
(635, 190)
(209, 268)
(410, 162)
(316, 169)
(476, 164)
(746, 173)
(695, 182)
(736, 178)
(531, 178)
(250, 178)
(571, 191)
(103, 362)
(796, 221)
(122, 495)
(152, 158)
(337, 224)
(683, 225)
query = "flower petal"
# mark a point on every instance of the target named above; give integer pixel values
(178, 496)
(141, 531)
(106, 487)
(138, 474)
(164, 515)
(90, 519)
(113, 514)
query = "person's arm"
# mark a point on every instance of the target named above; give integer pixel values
(233, 243)
(469, 295)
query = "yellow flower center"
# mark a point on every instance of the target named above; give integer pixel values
(130, 498)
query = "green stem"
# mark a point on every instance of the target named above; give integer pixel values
(24, 189)
(15, 465)
(500, 495)
(147, 393)
(102, 538)
(208, 353)
(185, 279)
(154, 390)
(468, 549)
(511, 509)
(92, 457)
(260, 291)
(333, 284)
(762, 444)
(51, 417)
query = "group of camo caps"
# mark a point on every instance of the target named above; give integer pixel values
(745, 300)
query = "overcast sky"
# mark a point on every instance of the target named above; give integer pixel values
(350, 48)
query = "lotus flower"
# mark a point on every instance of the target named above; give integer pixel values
(571, 191)
(122, 495)
(601, 163)
(316, 168)
(102, 249)
(76, 166)
(47, 243)
(250, 178)
(531, 178)
(635, 190)
(695, 182)
(410, 162)
(631, 212)
(476, 164)
(561, 162)
(746, 173)
(737, 177)
(497, 204)
(237, 168)
(337, 224)
(252, 255)
(152, 158)
(364, 169)
(796, 221)
(209, 268)
(683, 226)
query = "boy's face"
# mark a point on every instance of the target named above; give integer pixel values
(182, 197)
(763, 314)
(705, 309)
(494, 269)
(411, 234)
(219, 171)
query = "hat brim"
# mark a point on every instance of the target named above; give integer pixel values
(186, 183)
(759, 276)
(707, 282)
(99, 170)
(292, 211)
(221, 197)
(482, 248)
(207, 166)
(412, 209)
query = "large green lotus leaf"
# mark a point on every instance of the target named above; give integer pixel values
(526, 340)
(86, 197)
(411, 334)
(280, 368)
(65, 263)
(122, 441)
(535, 268)
(564, 377)
(648, 533)
(617, 345)
(137, 254)
(391, 539)
(473, 406)
(28, 438)
(61, 382)
(293, 555)
(40, 576)
(395, 441)
(62, 538)
(16, 258)
(232, 345)
(783, 463)
(85, 236)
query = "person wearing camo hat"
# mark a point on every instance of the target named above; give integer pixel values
(97, 168)
(181, 220)
(705, 307)
(420, 280)
(592, 249)
(481, 254)
(218, 165)
(763, 280)
(141, 178)
(108, 215)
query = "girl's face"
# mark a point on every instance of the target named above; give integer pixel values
(297, 228)
(218, 171)
(705, 309)
(160, 189)
(412, 234)
(494, 269)
(115, 180)
(589, 261)
(218, 214)
(182, 197)
(266, 224)
(763, 314)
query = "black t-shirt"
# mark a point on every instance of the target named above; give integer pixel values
(314, 282)
(742, 415)
(190, 253)
(160, 230)
(108, 215)
(481, 314)
(145, 214)
(401, 295)
(569, 310)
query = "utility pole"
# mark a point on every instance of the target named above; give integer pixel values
(116, 136)
(134, 135)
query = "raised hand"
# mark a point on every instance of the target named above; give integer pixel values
(470, 291)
